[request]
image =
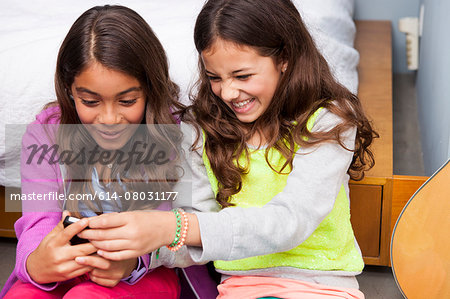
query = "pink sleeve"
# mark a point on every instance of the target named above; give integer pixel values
(39, 217)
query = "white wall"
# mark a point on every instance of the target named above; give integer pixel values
(391, 10)
(433, 76)
(433, 84)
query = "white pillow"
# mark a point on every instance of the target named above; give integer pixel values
(331, 24)
(32, 31)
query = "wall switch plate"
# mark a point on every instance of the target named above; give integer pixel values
(410, 26)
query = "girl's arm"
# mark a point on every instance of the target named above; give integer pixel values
(40, 218)
(235, 233)
(147, 231)
(292, 215)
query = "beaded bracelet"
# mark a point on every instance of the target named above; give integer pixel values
(178, 229)
(181, 234)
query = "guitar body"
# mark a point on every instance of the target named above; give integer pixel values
(420, 245)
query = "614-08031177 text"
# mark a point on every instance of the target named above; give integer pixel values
(136, 196)
(142, 195)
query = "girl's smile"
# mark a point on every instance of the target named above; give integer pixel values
(242, 78)
(243, 106)
(109, 103)
(111, 135)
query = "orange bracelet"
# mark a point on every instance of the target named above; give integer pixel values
(184, 229)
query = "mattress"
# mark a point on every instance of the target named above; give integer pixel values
(32, 31)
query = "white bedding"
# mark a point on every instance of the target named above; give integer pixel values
(32, 31)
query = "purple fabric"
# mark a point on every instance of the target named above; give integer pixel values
(40, 217)
(32, 227)
(197, 278)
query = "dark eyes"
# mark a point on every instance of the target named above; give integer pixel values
(92, 103)
(128, 102)
(243, 77)
(240, 77)
(89, 102)
(212, 78)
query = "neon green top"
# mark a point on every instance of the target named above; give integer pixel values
(330, 247)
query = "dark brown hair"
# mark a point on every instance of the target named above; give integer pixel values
(275, 29)
(119, 39)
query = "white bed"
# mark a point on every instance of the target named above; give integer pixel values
(32, 31)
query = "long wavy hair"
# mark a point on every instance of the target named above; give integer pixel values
(119, 39)
(274, 29)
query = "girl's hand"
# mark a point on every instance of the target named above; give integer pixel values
(54, 259)
(106, 272)
(121, 236)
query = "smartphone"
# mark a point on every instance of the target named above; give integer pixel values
(75, 240)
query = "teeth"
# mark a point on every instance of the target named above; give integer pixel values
(242, 104)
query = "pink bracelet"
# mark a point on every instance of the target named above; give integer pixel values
(184, 229)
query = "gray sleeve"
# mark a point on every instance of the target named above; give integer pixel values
(194, 190)
(194, 194)
(290, 217)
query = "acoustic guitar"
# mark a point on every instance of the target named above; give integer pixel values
(420, 245)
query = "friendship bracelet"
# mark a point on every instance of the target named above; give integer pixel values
(181, 238)
(178, 229)
(180, 232)
(183, 233)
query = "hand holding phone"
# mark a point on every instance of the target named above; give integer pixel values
(75, 240)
